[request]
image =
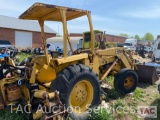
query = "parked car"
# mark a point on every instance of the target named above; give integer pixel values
(156, 51)
(130, 44)
(5, 44)
(6, 49)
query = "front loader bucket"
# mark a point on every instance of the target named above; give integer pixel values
(147, 74)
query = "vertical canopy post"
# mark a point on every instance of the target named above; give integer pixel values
(65, 32)
(91, 31)
(41, 23)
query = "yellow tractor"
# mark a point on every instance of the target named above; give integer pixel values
(67, 85)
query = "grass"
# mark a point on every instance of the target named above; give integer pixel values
(113, 94)
(110, 80)
(101, 114)
(138, 94)
(144, 95)
(7, 115)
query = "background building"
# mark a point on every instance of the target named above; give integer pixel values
(23, 33)
(109, 38)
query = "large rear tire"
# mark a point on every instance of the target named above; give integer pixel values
(126, 81)
(79, 89)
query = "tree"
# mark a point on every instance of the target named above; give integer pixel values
(148, 36)
(137, 37)
(123, 35)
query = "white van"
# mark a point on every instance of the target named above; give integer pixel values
(130, 44)
(156, 50)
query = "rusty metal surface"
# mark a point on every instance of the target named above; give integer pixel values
(147, 74)
(13, 92)
(41, 11)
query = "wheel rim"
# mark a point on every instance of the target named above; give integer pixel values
(81, 96)
(129, 82)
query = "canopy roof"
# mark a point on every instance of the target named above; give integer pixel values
(40, 11)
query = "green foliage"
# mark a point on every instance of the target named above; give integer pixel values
(138, 94)
(158, 108)
(110, 80)
(113, 94)
(148, 36)
(7, 115)
(119, 103)
(137, 37)
(100, 114)
(123, 35)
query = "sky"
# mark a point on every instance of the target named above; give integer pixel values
(113, 16)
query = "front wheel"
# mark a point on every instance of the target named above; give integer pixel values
(79, 90)
(126, 81)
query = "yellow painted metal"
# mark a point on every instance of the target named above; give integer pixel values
(72, 58)
(11, 62)
(5, 81)
(87, 42)
(46, 74)
(81, 96)
(116, 52)
(91, 31)
(86, 62)
(41, 23)
(41, 69)
(107, 52)
(65, 65)
(40, 60)
(51, 95)
(70, 44)
(111, 67)
(44, 88)
(7, 61)
(33, 77)
(125, 62)
(39, 94)
(131, 60)
(50, 12)
(106, 59)
(26, 96)
(38, 114)
(65, 31)
(96, 64)
(129, 82)
(47, 84)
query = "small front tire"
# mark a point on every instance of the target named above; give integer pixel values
(126, 81)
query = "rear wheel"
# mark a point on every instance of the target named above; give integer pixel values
(79, 89)
(126, 81)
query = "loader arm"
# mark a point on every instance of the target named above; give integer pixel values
(120, 53)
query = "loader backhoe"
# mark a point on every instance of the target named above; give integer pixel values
(69, 85)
